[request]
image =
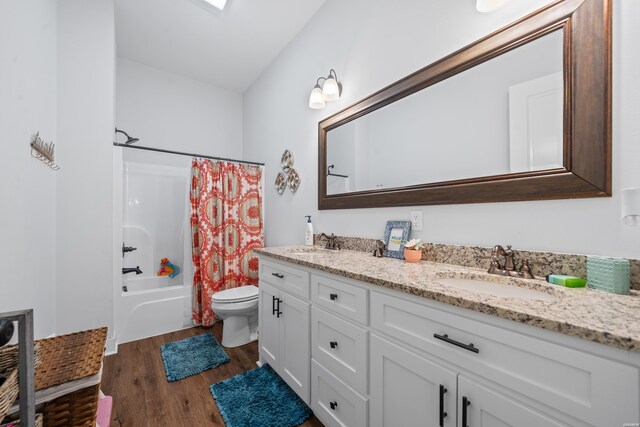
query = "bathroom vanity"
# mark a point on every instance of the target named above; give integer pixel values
(380, 342)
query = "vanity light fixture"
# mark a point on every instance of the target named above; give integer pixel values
(631, 206)
(330, 90)
(484, 6)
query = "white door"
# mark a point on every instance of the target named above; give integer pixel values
(536, 124)
(295, 332)
(408, 390)
(487, 408)
(269, 339)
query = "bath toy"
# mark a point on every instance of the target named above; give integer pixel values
(168, 269)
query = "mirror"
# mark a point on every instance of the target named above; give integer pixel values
(500, 117)
(522, 114)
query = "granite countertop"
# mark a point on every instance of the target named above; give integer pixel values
(589, 314)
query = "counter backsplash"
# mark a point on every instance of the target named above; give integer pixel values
(542, 263)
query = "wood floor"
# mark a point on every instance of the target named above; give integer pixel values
(142, 396)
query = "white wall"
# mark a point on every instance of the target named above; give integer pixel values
(84, 209)
(372, 44)
(27, 210)
(169, 111)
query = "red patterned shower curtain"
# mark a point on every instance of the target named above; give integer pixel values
(226, 225)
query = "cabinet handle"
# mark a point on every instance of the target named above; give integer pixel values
(278, 275)
(446, 338)
(443, 414)
(279, 313)
(333, 405)
(333, 297)
(333, 344)
(273, 305)
(465, 402)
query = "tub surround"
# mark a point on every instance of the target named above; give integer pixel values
(592, 315)
(542, 263)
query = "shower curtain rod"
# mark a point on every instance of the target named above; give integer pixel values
(180, 153)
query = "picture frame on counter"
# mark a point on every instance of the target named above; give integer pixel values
(395, 234)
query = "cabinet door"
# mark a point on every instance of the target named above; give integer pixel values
(406, 388)
(488, 408)
(295, 332)
(269, 339)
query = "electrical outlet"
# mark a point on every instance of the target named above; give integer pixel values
(416, 220)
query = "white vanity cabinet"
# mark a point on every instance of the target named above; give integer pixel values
(480, 406)
(409, 390)
(284, 340)
(380, 357)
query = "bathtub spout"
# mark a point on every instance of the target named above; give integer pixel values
(132, 270)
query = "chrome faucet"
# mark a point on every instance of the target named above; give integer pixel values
(508, 267)
(332, 241)
(132, 270)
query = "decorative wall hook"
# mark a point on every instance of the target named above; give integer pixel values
(45, 152)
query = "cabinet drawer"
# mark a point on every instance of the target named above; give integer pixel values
(335, 403)
(289, 279)
(340, 297)
(572, 381)
(341, 347)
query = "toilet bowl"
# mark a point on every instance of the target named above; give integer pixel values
(238, 308)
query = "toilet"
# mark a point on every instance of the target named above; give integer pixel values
(238, 308)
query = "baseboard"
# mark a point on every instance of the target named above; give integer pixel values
(112, 346)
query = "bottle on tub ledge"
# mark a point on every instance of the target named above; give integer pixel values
(308, 235)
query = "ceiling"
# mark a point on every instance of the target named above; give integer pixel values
(228, 49)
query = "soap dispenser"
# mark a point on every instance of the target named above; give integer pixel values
(308, 235)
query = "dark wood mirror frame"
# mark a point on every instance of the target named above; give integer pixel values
(587, 116)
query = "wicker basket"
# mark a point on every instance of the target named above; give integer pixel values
(9, 356)
(39, 422)
(8, 392)
(60, 360)
(69, 358)
(8, 368)
(75, 409)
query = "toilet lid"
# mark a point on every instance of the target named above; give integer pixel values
(243, 293)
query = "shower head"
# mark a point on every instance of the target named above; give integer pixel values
(129, 140)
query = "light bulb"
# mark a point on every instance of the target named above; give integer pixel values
(330, 89)
(316, 101)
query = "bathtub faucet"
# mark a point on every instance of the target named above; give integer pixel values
(132, 270)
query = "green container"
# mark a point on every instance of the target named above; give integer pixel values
(609, 274)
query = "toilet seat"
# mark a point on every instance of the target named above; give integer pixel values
(235, 295)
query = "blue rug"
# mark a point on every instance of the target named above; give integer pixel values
(259, 398)
(191, 356)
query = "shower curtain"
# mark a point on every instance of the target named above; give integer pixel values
(226, 225)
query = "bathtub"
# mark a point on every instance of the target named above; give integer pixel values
(153, 306)
(156, 223)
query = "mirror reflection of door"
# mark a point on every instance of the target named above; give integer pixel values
(535, 123)
(460, 128)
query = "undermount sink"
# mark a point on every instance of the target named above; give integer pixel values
(497, 289)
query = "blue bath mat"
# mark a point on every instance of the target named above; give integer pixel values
(259, 398)
(191, 356)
